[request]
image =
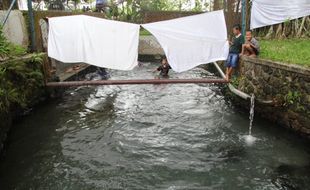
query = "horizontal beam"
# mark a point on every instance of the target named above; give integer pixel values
(133, 82)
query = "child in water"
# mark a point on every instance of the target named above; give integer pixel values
(164, 68)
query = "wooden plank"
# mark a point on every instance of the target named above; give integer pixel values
(65, 75)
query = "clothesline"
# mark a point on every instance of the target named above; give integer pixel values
(187, 42)
(270, 12)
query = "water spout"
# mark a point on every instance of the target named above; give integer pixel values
(251, 113)
(249, 139)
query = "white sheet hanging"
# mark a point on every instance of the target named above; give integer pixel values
(22, 5)
(193, 40)
(270, 12)
(95, 41)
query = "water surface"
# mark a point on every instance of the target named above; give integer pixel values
(150, 137)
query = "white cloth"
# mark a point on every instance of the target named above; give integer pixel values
(22, 5)
(96, 41)
(270, 12)
(193, 40)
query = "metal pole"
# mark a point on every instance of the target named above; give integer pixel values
(219, 70)
(9, 11)
(230, 86)
(134, 82)
(31, 26)
(243, 17)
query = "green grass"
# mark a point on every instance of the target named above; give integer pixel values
(7, 49)
(144, 32)
(294, 51)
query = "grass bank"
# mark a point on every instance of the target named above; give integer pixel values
(294, 51)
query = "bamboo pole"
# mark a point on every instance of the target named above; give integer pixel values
(134, 82)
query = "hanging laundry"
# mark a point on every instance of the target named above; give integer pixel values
(270, 12)
(22, 5)
(95, 41)
(193, 40)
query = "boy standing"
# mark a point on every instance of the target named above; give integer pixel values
(234, 51)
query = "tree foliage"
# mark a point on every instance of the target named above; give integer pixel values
(8, 49)
(130, 10)
(19, 79)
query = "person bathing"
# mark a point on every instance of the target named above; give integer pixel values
(164, 68)
(234, 51)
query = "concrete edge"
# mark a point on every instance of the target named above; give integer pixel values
(279, 65)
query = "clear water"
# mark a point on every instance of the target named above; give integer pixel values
(150, 137)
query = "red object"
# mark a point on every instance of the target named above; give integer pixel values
(134, 82)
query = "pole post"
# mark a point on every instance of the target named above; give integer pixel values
(243, 17)
(8, 13)
(31, 27)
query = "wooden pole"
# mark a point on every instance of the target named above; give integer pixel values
(31, 26)
(243, 17)
(134, 82)
(8, 13)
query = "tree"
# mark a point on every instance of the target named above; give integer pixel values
(216, 5)
(198, 6)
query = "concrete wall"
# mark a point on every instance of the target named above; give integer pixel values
(287, 85)
(148, 45)
(15, 28)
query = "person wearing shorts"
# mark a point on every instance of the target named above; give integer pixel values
(234, 51)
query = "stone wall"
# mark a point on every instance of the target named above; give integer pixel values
(15, 28)
(287, 85)
(148, 45)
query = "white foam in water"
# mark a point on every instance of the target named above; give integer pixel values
(249, 139)
(195, 111)
(95, 103)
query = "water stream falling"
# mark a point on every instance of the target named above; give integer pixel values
(249, 139)
(182, 136)
(251, 113)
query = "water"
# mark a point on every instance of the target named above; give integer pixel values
(252, 108)
(249, 139)
(150, 137)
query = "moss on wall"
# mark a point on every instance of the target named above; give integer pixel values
(21, 86)
(20, 79)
